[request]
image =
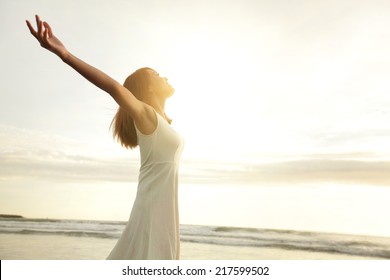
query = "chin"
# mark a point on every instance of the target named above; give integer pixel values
(171, 92)
(167, 91)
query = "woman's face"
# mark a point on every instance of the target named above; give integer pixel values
(160, 85)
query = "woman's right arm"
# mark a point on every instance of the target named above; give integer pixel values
(121, 95)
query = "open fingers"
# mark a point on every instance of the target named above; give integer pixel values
(43, 32)
(39, 32)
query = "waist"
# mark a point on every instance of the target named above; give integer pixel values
(148, 165)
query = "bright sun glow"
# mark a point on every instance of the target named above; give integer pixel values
(216, 96)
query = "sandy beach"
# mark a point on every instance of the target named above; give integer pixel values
(50, 247)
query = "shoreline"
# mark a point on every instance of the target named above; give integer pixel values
(52, 247)
(218, 228)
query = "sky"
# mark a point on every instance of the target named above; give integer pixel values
(284, 105)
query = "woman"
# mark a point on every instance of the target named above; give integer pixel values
(153, 228)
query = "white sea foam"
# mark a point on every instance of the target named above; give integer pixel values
(354, 245)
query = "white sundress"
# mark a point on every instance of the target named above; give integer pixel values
(152, 232)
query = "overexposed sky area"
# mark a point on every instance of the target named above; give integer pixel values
(267, 92)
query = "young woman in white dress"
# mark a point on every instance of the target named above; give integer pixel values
(152, 231)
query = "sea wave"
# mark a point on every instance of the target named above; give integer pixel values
(369, 246)
(377, 247)
(67, 233)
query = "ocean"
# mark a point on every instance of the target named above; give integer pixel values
(13, 230)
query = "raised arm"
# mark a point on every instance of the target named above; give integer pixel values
(122, 95)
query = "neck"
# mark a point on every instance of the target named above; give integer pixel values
(159, 106)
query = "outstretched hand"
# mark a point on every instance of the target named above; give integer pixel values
(46, 38)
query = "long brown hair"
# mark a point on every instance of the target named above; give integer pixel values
(122, 123)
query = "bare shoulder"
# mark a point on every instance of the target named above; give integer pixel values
(146, 119)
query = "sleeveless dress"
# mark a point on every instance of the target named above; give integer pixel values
(152, 232)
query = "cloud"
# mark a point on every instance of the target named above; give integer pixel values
(31, 155)
(340, 168)
(321, 171)
(57, 166)
(27, 154)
